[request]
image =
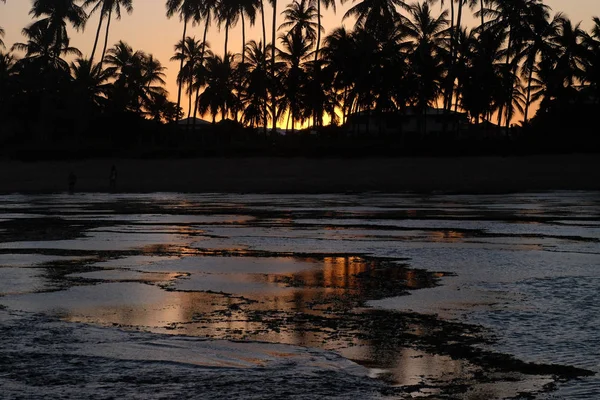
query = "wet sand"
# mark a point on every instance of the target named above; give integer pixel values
(236, 279)
(305, 175)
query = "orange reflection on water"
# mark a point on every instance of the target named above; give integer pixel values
(446, 236)
(149, 308)
(305, 308)
(342, 271)
(284, 311)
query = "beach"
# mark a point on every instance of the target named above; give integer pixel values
(341, 296)
(309, 175)
(374, 278)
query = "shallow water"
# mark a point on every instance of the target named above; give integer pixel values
(298, 269)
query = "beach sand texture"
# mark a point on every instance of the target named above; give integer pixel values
(308, 175)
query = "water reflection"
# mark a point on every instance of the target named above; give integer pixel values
(304, 269)
(305, 301)
(447, 236)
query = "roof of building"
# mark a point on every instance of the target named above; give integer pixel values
(410, 111)
(199, 121)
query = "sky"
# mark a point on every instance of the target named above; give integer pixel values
(148, 28)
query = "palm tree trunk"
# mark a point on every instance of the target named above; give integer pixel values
(508, 118)
(243, 37)
(344, 107)
(204, 36)
(96, 40)
(500, 112)
(226, 37)
(509, 99)
(202, 61)
(191, 92)
(526, 113)
(318, 31)
(106, 37)
(196, 106)
(455, 56)
(273, 38)
(264, 30)
(450, 87)
(481, 11)
(180, 81)
(459, 19)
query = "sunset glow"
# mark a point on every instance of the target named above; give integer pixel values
(148, 29)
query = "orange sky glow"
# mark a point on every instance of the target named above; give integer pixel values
(148, 28)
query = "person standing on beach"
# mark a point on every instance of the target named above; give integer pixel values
(113, 178)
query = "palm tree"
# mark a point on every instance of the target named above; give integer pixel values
(54, 25)
(206, 10)
(481, 78)
(7, 72)
(44, 74)
(327, 4)
(255, 84)
(106, 8)
(374, 15)
(139, 77)
(89, 92)
(153, 80)
(295, 51)
(516, 17)
(299, 20)
(591, 59)
(160, 109)
(569, 40)
(248, 8)
(512, 95)
(361, 72)
(126, 66)
(473, 4)
(425, 36)
(190, 53)
(337, 56)
(40, 52)
(118, 58)
(540, 44)
(273, 81)
(7, 62)
(199, 76)
(458, 27)
(219, 94)
(90, 82)
(264, 29)
(187, 10)
(228, 14)
(2, 32)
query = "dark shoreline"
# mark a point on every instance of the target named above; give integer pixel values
(477, 175)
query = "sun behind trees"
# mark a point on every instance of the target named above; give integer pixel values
(408, 73)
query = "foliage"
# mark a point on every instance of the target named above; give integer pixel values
(398, 58)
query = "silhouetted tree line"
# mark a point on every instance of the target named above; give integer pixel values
(397, 56)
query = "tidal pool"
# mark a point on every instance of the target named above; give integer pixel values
(391, 296)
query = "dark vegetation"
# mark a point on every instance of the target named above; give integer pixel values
(400, 60)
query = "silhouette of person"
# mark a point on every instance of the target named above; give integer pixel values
(72, 181)
(113, 178)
